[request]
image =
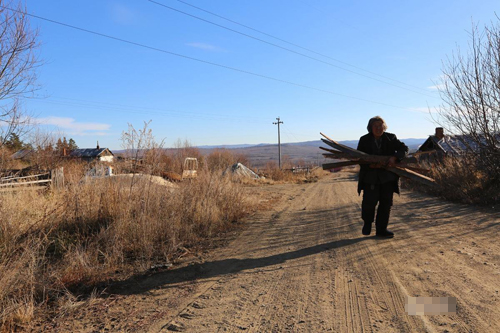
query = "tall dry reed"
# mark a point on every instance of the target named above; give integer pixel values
(67, 242)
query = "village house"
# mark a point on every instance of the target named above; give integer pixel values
(448, 145)
(442, 144)
(93, 154)
(23, 155)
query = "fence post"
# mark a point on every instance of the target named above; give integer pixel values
(57, 177)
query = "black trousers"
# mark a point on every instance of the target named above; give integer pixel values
(381, 194)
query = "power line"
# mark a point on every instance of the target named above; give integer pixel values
(201, 60)
(150, 111)
(299, 46)
(121, 106)
(290, 50)
(286, 129)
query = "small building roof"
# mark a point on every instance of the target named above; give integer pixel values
(20, 154)
(89, 152)
(451, 144)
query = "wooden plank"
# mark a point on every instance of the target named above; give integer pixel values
(357, 157)
(333, 151)
(341, 157)
(328, 166)
(25, 177)
(365, 158)
(340, 146)
(377, 159)
(413, 168)
(26, 183)
(343, 148)
(403, 172)
(57, 177)
(346, 149)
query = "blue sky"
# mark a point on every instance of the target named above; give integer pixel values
(92, 87)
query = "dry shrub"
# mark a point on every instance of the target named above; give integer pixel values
(74, 170)
(221, 159)
(70, 241)
(182, 150)
(461, 179)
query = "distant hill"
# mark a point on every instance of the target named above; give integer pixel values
(411, 143)
(260, 154)
(307, 151)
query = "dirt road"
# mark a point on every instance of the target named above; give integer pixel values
(305, 267)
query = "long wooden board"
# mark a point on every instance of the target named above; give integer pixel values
(343, 148)
(403, 172)
(340, 146)
(329, 166)
(354, 157)
(26, 183)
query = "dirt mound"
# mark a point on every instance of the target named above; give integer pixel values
(240, 170)
(143, 178)
(126, 179)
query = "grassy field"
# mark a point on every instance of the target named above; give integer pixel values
(57, 245)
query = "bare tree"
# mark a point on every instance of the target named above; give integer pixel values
(18, 63)
(44, 156)
(471, 95)
(141, 145)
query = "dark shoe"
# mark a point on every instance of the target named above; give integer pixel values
(385, 234)
(367, 229)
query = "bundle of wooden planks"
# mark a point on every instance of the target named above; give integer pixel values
(354, 157)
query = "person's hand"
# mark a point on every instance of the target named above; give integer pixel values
(392, 161)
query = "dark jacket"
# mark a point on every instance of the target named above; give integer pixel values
(389, 146)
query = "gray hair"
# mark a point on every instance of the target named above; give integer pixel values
(373, 120)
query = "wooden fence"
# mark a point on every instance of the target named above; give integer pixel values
(54, 178)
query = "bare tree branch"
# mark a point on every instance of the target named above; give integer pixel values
(18, 63)
(471, 96)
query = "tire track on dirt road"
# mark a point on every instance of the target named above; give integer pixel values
(369, 297)
(306, 252)
(303, 266)
(281, 271)
(460, 259)
(276, 281)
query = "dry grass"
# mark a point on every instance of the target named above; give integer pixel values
(57, 245)
(462, 180)
(220, 159)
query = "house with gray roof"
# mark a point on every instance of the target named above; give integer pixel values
(450, 145)
(23, 154)
(93, 154)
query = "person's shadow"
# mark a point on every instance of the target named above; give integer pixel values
(139, 284)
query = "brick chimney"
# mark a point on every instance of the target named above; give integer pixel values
(439, 133)
(98, 142)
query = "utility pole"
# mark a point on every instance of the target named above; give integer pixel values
(279, 142)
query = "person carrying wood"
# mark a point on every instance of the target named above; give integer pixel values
(377, 183)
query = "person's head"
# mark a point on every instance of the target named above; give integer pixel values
(376, 126)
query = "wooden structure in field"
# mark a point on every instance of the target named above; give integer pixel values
(54, 179)
(355, 157)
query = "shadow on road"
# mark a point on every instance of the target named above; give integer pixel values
(140, 284)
